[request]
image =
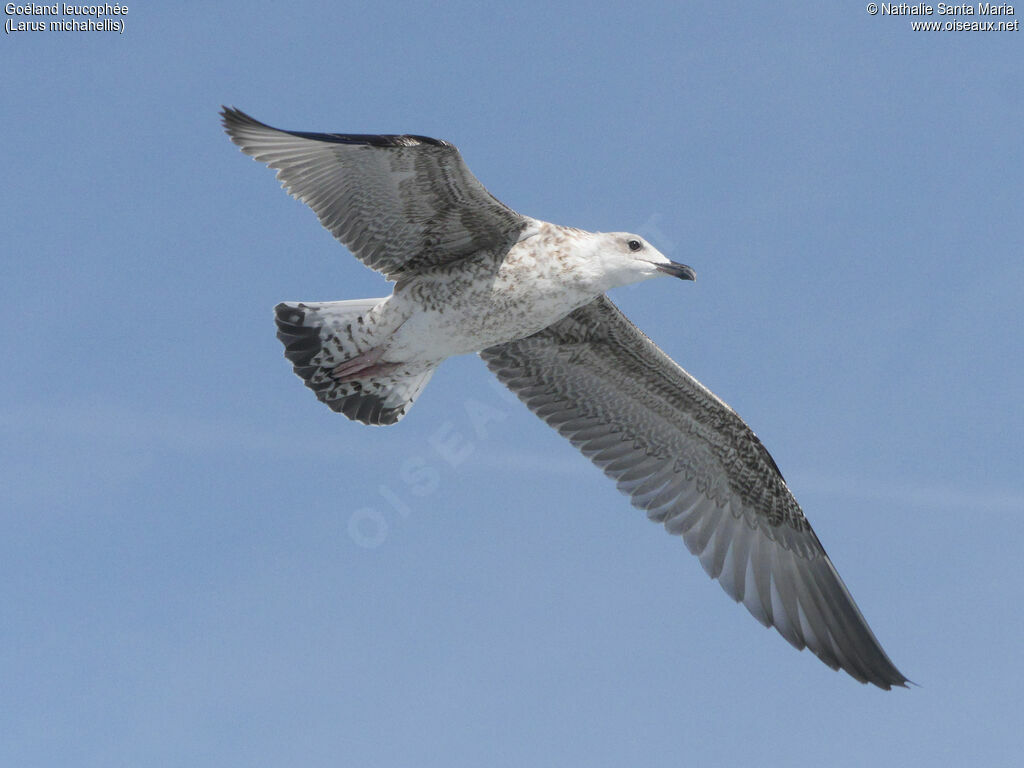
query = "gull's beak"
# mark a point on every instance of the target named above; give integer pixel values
(681, 271)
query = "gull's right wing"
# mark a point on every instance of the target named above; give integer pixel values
(399, 203)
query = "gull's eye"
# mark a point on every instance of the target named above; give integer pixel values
(634, 245)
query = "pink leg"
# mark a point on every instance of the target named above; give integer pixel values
(362, 366)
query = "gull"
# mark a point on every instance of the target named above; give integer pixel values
(473, 276)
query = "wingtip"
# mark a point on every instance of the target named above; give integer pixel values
(229, 118)
(889, 685)
(229, 115)
(233, 119)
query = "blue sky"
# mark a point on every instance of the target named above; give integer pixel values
(181, 580)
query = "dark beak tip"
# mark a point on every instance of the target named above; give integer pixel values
(682, 271)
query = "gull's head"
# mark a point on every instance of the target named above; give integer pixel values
(624, 258)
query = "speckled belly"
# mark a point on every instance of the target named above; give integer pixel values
(450, 318)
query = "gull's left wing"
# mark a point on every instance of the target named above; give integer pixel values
(690, 462)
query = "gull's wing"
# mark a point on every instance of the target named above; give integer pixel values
(399, 203)
(686, 458)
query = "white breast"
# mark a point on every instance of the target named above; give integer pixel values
(541, 280)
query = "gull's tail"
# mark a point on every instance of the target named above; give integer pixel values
(331, 348)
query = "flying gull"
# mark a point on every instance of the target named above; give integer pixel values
(472, 275)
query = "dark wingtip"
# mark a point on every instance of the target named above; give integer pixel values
(233, 118)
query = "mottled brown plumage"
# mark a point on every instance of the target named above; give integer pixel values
(474, 276)
(691, 463)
